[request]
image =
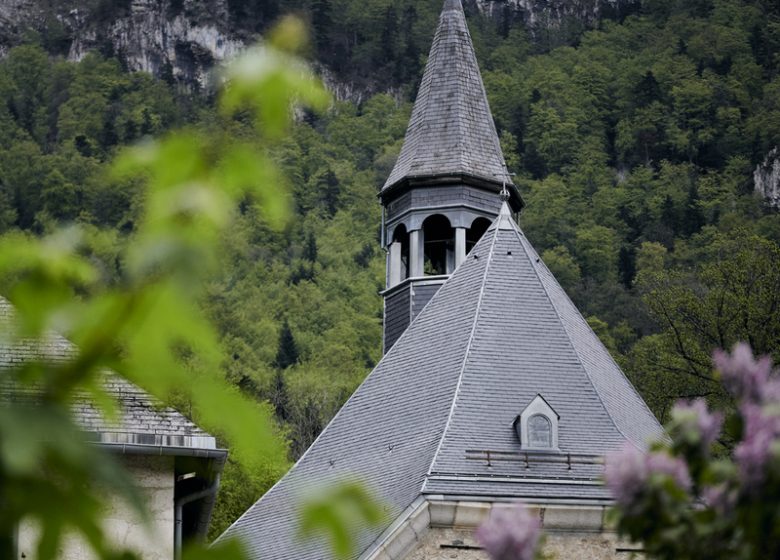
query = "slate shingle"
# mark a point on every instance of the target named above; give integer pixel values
(451, 130)
(498, 332)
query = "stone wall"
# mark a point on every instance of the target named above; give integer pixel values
(459, 544)
(444, 529)
(154, 476)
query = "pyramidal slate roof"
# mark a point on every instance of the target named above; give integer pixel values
(500, 331)
(451, 131)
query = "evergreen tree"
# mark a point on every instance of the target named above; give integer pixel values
(287, 353)
(310, 249)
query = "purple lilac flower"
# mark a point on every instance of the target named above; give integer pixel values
(744, 376)
(720, 497)
(761, 430)
(771, 391)
(694, 415)
(628, 471)
(510, 534)
(673, 467)
(626, 474)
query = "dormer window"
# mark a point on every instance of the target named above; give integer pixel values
(537, 426)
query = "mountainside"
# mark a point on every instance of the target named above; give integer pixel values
(541, 16)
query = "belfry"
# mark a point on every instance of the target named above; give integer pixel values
(442, 193)
(492, 389)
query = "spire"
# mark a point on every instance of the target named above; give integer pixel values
(451, 130)
(504, 220)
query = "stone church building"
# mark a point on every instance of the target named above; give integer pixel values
(493, 388)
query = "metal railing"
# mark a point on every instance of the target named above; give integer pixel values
(526, 458)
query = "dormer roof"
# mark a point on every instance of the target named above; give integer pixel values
(451, 132)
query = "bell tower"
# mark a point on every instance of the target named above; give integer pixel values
(443, 192)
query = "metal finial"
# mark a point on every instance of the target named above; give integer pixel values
(504, 194)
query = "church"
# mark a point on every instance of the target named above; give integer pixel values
(493, 388)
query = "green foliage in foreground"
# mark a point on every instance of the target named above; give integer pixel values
(148, 328)
(336, 512)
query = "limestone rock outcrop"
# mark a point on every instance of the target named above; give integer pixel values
(540, 15)
(766, 178)
(178, 40)
(181, 40)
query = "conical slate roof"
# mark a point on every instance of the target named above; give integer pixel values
(499, 332)
(451, 131)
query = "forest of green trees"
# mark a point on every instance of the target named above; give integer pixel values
(633, 145)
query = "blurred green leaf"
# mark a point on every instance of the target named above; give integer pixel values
(224, 550)
(147, 326)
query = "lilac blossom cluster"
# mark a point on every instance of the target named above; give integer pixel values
(628, 471)
(751, 381)
(693, 417)
(510, 533)
(761, 430)
(748, 379)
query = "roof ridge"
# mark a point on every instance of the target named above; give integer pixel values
(520, 237)
(465, 358)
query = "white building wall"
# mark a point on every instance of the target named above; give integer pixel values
(459, 544)
(154, 477)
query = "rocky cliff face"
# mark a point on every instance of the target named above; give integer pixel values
(174, 39)
(180, 40)
(545, 15)
(766, 178)
(184, 45)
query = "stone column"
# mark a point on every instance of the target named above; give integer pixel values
(460, 246)
(415, 254)
(395, 264)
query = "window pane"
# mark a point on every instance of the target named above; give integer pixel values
(539, 431)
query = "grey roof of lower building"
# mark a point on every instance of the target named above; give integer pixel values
(142, 420)
(498, 332)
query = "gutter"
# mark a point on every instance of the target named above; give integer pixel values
(220, 455)
(210, 491)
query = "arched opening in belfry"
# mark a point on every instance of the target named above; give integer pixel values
(475, 232)
(438, 246)
(399, 255)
